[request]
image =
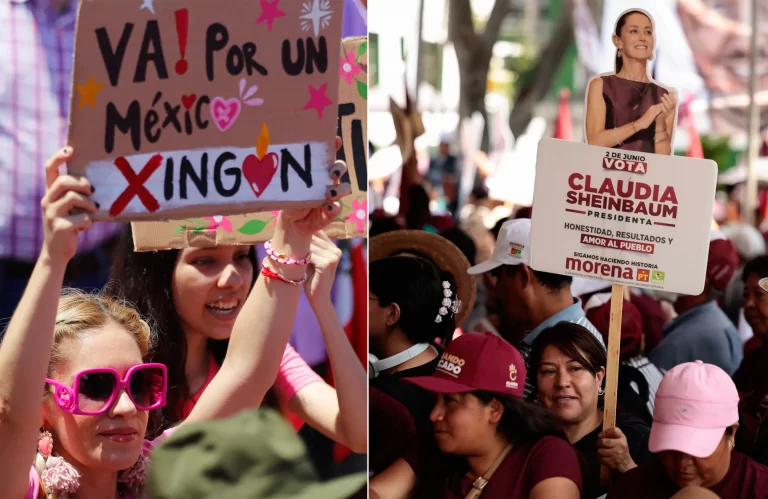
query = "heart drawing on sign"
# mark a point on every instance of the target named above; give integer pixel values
(259, 172)
(188, 101)
(225, 112)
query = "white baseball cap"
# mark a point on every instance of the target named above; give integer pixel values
(513, 246)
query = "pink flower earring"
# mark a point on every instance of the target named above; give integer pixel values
(45, 443)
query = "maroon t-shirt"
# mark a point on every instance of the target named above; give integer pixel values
(526, 466)
(745, 479)
(392, 431)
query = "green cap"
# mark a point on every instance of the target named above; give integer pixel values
(253, 454)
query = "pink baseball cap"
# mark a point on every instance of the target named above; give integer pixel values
(695, 403)
(476, 361)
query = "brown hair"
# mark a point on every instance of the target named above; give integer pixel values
(573, 340)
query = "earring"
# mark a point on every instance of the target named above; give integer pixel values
(45, 443)
(618, 53)
(600, 392)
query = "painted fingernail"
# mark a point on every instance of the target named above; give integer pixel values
(97, 204)
(66, 150)
(93, 189)
(337, 173)
(333, 192)
(329, 207)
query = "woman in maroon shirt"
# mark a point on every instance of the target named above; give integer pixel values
(491, 443)
(569, 366)
(694, 422)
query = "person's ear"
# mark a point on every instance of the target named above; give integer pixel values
(495, 411)
(732, 438)
(393, 315)
(616, 41)
(525, 274)
(600, 377)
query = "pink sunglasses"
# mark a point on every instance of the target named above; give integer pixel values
(94, 390)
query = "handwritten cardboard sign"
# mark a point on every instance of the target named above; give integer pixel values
(211, 230)
(640, 220)
(179, 107)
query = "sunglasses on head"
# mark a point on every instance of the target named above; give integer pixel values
(93, 391)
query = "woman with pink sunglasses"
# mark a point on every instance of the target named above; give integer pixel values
(88, 352)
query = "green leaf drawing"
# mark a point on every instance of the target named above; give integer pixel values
(362, 89)
(252, 227)
(198, 230)
(362, 49)
(179, 229)
(343, 206)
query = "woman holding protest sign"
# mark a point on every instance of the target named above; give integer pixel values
(568, 365)
(627, 109)
(89, 352)
(194, 297)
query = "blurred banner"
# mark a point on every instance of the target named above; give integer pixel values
(702, 49)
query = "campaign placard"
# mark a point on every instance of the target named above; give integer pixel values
(180, 107)
(634, 219)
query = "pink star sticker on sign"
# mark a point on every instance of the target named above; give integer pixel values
(269, 12)
(318, 100)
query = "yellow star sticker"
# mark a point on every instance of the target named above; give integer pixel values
(88, 92)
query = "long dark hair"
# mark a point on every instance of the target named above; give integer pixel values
(573, 340)
(415, 284)
(521, 423)
(144, 279)
(619, 63)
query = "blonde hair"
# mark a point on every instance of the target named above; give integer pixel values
(80, 313)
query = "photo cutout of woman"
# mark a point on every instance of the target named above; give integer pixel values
(627, 109)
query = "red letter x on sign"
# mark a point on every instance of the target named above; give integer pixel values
(136, 185)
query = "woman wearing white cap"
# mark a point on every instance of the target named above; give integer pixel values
(694, 423)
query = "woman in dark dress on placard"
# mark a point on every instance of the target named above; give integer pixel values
(627, 110)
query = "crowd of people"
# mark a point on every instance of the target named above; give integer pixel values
(458, 411)
(502, 392)
(177, 338)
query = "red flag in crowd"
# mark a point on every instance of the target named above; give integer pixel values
(563, 123)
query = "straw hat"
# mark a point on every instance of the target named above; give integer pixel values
(441, 251)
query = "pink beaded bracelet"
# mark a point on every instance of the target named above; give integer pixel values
(280, 258)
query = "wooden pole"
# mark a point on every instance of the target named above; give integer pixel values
(612, 369)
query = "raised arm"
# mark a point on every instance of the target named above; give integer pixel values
(26, 348)
(339, 414)
(597, 134)
(264, 324)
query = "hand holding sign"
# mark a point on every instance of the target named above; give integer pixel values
(64, 195)
(322, 270)
(613, 450)
(307, 222)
